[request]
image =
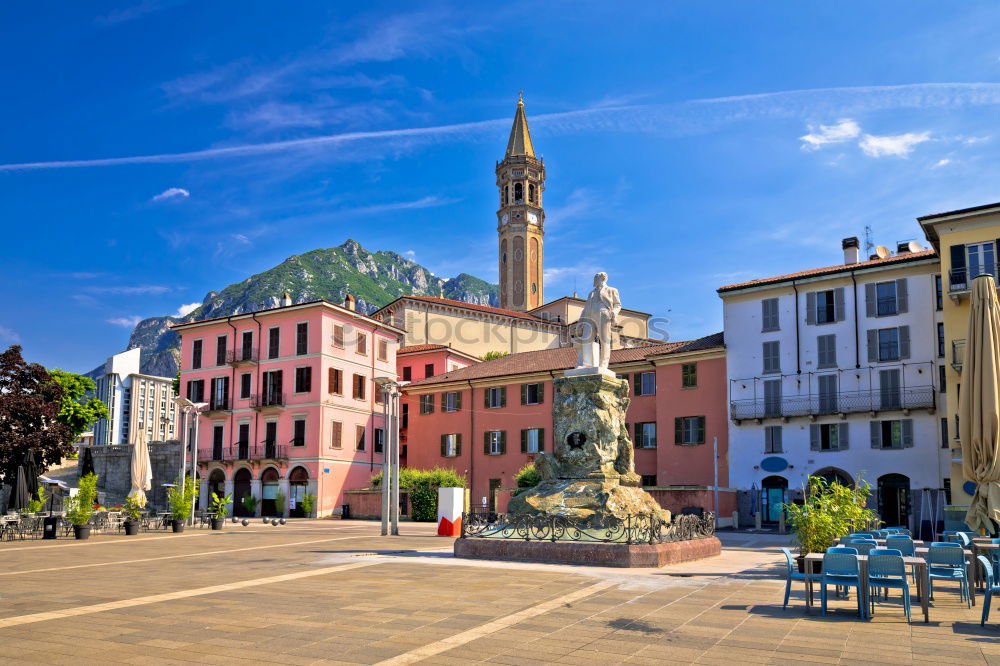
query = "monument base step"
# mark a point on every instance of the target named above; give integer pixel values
(590, 554)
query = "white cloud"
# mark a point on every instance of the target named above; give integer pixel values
(899, 145)
(411, 254)
(9, 336)
(130, 291)
(172, 193)
(844, 130)
(186, 309)
(126, 322)
(942, 162)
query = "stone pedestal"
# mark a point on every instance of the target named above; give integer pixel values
(588, 554)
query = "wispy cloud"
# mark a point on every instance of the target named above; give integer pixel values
(8, 336)
(140, 290)
(135, 11)
(844, 130)
(579, 202)
(676, 119)
(580, 276)
(411, 254)
(186, 309)
(125, 322)
(172, 193)
(941, 163)
(423, 202)
(899, 145)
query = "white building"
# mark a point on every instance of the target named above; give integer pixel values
(836, 372)
(136, 402)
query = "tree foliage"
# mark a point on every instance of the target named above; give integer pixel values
(79, 407)
(490, 355)
(30, 402)
(527, 477)
(421, 485)
(830, 511)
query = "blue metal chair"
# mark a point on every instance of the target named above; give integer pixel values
(995, 555)
(946, 561)
(898, 530)
(961, 538)
(863, 545)
(991, 587)
(902, 543)
(886, 571)
(792, 574)
(841, 568)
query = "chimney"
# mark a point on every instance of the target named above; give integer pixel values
(903, 247)
(851, 248)
(286, 299)
(349, 302)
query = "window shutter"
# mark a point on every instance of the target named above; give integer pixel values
(524, 394)
(838, 304)
(776, 438)
(637, 378)
(701, 430)
(876, 427)
(486, 398)
(811, 307)
(765, 315)
(503, 396)
(906, 425)
(904, 342)
(870, 299)
(503, 441)
(872, 345)
(444, 402)
(524, 441)
(458, 401)
(678, 430)
(902, 299)
(458, 444)
(541, 439)
(638, 435)
(330, 379)
(842, 437)
(541, 393)
(444, 445)
(814, 437)
(486, 442)
(958, 257)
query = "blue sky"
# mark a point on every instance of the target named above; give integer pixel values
(153, 150)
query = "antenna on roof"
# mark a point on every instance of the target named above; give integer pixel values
(869, 243)
(574, 287)
(882, 251)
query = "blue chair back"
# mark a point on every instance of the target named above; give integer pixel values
(840, 564)
(843, 550)
(960, 538)
(886, 562)
(902, 543)
(864, 547)
(945, 554)
(987, 570)
(789, 560)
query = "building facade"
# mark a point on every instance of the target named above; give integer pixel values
(488, 420)
(837, 372)
(136, 403)
(291, 407)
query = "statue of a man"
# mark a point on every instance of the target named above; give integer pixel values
(594, 326)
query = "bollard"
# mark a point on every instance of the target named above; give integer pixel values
(781, 523)
(756, 520)
(736, 520)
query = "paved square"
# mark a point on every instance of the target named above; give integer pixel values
(336, 592)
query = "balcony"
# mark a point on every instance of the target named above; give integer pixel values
(960, 282)
(244, 451)
(267, 402)
(217, 405)
(843, 402)
(957, 354)
(241, 357)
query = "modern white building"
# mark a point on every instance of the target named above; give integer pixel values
(136, 402)
(837, 372)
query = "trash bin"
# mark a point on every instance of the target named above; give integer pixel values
(345, 511)
(49, 527)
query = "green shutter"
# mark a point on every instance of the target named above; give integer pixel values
(678, 430)
(458, 401)
(701, 429)
(902, 299)
(638, 435)
(444, 401)
(870, 299)
(637, 379)
(503, 442)
(486, 443)
(524, 441)
(541, 395)
(524, 394)
(444, 445)
(872, 345)
(541, 439)
(458, 445)
(486, 398)
(503, 396)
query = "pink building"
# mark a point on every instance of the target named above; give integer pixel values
(292, 405)
(488, 420)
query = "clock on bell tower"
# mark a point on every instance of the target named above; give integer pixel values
(521, 219)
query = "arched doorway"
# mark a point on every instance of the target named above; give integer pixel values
(772, 498)
(269, 491)
(216, 484)
(894, 500)
(834, 475)
(297, 481)
(241, 489)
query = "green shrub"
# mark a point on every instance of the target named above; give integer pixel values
(133, 506)
(280, 503)
(829, 511)
(526, 477)
(36, 505)
(181, 499)
(308, 502)
(81, 507)
(250, 504)
(422, 485)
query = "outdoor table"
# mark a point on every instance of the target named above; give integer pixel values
(881, 542)
(919, 562)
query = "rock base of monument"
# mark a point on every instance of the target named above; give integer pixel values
(588, 554)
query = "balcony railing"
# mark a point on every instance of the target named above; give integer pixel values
(268, 400)
(843, 402)
(957, 354)
(959, 279)
(238, 357)
(220, 404)
(244, 451)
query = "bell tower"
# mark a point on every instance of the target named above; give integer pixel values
(520, 219)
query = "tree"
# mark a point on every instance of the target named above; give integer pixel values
(490, 355)
(176, 384)
(30, 402)
(79, 408)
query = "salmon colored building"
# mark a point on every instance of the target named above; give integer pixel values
(488, 420)
(292, 408)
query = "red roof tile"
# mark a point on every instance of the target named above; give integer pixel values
(470, 306)
(413, 349)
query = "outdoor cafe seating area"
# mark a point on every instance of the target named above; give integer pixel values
(23, 525)
(878, 564)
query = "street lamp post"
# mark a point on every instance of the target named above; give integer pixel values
(390, 455)
(189, 407)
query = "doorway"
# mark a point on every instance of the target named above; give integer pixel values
(216, 484)
(241, 489)
(269, 492)
(894, 500)
(297, 483)
(772, 498)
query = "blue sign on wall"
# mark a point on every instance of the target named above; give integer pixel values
(326, 470)
(774, 464)
(969, 487)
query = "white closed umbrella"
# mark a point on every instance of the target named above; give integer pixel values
(142, 470)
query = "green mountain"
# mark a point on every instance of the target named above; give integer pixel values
(373, 278)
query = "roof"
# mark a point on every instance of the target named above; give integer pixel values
(960, 211)
(519, 142)
(339, 308)
(563, 358)
(416, 349)
(830, 270)
(469, 306)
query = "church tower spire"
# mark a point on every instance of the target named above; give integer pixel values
(520, 219)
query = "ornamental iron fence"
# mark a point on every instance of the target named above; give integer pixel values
(631, 530)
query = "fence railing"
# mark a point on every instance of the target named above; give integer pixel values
(262, 451)
(266, 400)
(631, 530)
(841, 402)
(240, 356)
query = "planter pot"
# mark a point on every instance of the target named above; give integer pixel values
(81, 531)
(178, 525)
(801, 562)
(131, 527)
(217, 523)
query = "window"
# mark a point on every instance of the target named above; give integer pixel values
(383, 350)
(532, 394)
(272, 388)
(937, 292)
(825, 309)
(689, 375)
(301, 338)
(772, 356)
(273, 339)
(495, 397)
(379, 439)
(828, 436)
(689, 430)
(981, 259)
(826, 351)
(944, 433)
(218, 435)
(942, 381)
(518, 192)
(362, 344)
(648, 480)
(359, 438)
(359, 387)
(885, 298)
(195, 391)
(888, 344)
(451, 401)
(427, 404)
(338, 336)
(303, 379)
(245, 385)
(404, 421)
(196, 355)
(532, 440)
(335, 381)
(892, 434)
(940, 339)
(270, 436)
(428, 369)
(407, 373)
(336, 434)
(246, 351)
(531, 193)
(379, 394)
(645, 435)
(494, 442)
(769, 314)
(645, 383)
(220, 350)
(772, 397)
(827, 393)
(772, 439)
(299, 432)
(451, 445)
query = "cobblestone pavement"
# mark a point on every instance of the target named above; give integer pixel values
(335, 592)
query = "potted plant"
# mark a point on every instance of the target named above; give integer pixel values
(133, 510)
(181, 499)
(219, 507)
(36, 505)
(308, 503)
(279, 503)
(250, 504)
(80, 507)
